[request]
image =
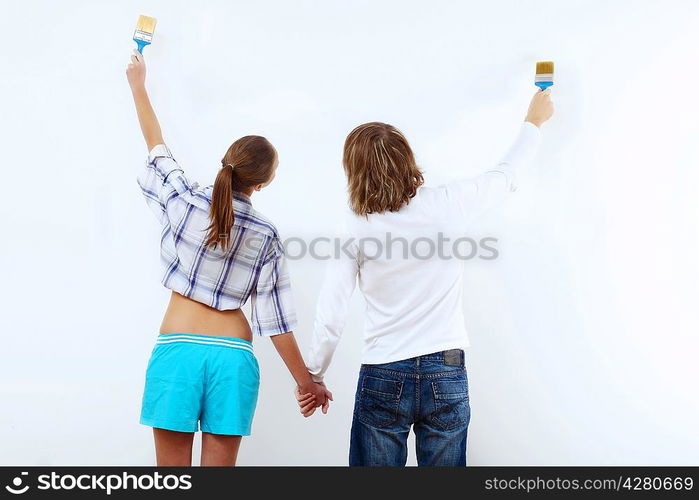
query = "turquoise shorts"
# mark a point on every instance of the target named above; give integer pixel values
(201, 379)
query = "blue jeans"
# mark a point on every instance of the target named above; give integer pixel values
(428, 393)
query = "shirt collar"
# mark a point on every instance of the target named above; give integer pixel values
(240, 196)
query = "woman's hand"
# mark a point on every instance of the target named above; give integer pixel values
(136, 70)
(541, 108)
(311, 397)
(307, 402)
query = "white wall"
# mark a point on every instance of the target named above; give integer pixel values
(584, 332)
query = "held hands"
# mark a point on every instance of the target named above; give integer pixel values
(540, 108)
(313, 396)
(136, 70)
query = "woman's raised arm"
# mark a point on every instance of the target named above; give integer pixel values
(136, 75)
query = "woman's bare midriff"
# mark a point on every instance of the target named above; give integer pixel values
(185, 315)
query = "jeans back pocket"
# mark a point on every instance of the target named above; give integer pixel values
(451, 407)
(378, 401)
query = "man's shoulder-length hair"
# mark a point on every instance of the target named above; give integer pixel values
(381, 171)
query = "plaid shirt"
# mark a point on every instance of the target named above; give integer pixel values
(253, 265)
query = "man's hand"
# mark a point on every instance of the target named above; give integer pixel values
(136, 70)
(540, 108)
(313, 396)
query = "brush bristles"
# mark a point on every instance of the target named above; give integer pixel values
(544, 68)
(146, 24)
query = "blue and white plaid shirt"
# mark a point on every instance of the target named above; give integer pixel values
(253, 265)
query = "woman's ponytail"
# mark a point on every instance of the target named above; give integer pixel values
(221, 212)
(250, 161)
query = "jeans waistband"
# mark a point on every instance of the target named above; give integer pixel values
(451, 357)
(209, 340)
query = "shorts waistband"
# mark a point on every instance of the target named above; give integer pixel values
(212, 340)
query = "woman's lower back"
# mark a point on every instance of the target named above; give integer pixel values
(184, 315)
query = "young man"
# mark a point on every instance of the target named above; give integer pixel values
(413, 372)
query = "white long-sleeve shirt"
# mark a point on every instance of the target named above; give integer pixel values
(412, 283)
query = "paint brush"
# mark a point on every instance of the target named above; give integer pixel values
(144, 31)
(544, 74)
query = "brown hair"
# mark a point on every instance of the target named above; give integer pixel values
(248, 162)
(381, 171)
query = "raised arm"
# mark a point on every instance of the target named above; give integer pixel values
(136, 75)
(473, 196)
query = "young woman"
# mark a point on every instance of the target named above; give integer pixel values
(413, 372)
(217, 251)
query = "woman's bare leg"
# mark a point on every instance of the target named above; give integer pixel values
(173, 448)
(217, 449)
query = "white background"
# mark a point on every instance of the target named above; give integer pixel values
(584, 332)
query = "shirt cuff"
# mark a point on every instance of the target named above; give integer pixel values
(316, 378)
(527, 143)
(167, 163)
(159, 151)
(532, 130)
(273, 327)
